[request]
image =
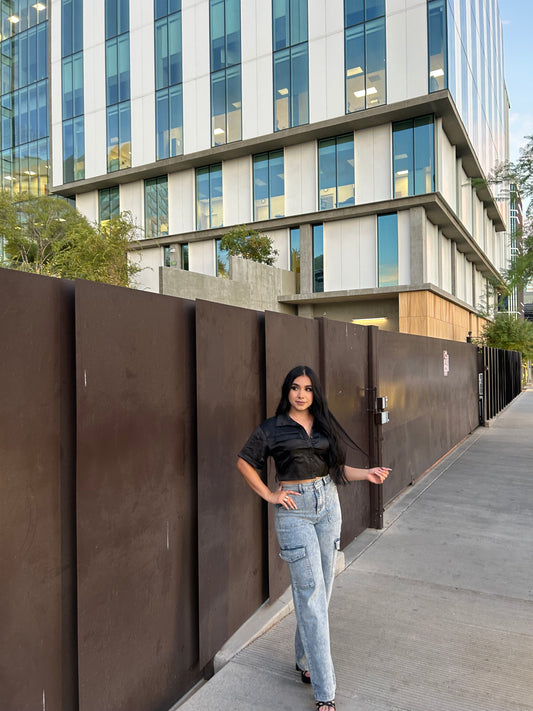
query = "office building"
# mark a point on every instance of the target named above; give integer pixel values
(357, 134)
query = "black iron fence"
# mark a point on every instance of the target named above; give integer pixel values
(131, 549)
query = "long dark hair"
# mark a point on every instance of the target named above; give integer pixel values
(324, 421)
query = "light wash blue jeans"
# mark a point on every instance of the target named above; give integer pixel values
(309, 538)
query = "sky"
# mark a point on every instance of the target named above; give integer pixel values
(517, 19)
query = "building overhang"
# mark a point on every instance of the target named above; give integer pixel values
(366, 295)
(437, 210)
(439, 103)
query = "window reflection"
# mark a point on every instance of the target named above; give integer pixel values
(318, 258)
(209, 197)
(437, 39)
(222, 261)
(388, 250)
(269, 185)
(336, 177)
(295, 255)
(226, 92)
(168, 79)
(291, 64)
(365, 54)
(156, 207)
(108, 203)
(24, 98)
(413, 156)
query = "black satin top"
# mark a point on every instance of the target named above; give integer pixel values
(296, 454)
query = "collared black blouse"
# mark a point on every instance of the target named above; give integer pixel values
(296, 454)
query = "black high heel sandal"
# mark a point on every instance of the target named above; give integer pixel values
(326, 704)
(306, 678)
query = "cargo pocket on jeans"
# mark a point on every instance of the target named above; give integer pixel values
(299, 566)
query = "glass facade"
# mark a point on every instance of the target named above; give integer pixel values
(318, 258)
(72, 89)
(108, 203)
(291, 63)
(475, 75)
(117, 60)
(209, 197)
(388, 250)
(364, 54)
(156, 207)
(168, 78)
(24, 97)
(269, 185)
(437, 45)
(225, 48)
(413, 148)
(336, 176)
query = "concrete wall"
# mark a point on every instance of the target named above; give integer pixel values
(250, 285)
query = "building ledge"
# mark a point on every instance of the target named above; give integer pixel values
(371, 294)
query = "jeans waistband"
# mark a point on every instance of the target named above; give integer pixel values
(317, 483)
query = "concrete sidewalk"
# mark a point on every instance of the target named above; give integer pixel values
(432, 613)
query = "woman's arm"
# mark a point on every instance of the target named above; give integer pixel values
(281, 496)
(376, 475)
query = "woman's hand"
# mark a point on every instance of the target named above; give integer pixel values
(377, 475)
(283, 497)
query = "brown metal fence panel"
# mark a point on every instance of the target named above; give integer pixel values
(432, 392)
(289, 341)
(346, 380)
(37, 476)
(232, 518)
(136, 499)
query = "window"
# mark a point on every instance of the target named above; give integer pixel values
(25, 156)
(118, 85)
(291, 65)
(364, 54)
(295, 254)
(226, 99)
(336, 178)
(388, 250)
(414, 156)
(318, 258)
(269, 185)
(156, 207)
(209, 197)
(184, 249)
(437, 40)
(72, 89)
(222, 261)
(168, 78)
(108, 203)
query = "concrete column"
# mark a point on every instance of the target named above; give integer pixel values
(417, 221)
(306, 259)
(454, 268)
(306, 310)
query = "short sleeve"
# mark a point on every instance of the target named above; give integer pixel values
(255, 451)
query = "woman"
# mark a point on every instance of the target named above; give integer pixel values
(304, 441)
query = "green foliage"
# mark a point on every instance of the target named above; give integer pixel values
(245, 242)
(520, 173)
(510, 333)
(47, 235)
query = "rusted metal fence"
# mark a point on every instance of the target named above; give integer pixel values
(131, 549)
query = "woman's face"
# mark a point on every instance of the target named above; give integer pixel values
(301, 394)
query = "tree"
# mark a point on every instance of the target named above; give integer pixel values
(47, 235)
(510, 333)
(520, 173)
(245, 242)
